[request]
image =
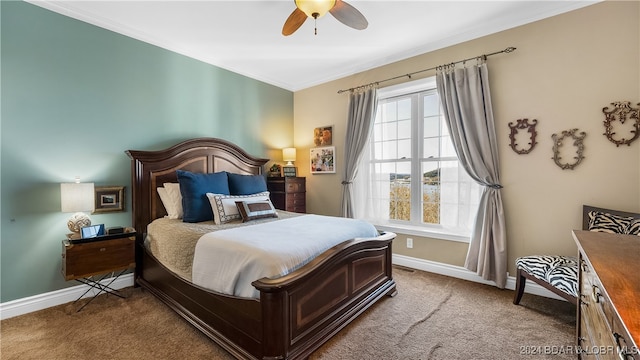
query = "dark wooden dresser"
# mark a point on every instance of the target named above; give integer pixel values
(288, 193)
(608, 321)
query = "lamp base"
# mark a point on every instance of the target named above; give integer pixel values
(77, 221)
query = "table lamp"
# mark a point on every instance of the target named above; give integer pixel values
(289, 155)
(77, 198)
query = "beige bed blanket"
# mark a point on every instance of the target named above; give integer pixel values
(173, 242)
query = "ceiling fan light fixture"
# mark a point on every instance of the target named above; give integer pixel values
(315, 8)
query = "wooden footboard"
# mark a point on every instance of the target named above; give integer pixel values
(296, 313)
(314, 303)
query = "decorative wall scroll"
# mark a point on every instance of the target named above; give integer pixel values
(577, 142)
(522, 124)
(622, 111)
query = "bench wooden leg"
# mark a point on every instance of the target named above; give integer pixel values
(520, 283)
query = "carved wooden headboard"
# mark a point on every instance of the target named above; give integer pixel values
(150, 169)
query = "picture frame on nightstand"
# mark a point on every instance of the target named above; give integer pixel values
(290, 171)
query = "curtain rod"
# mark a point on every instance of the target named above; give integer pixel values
(507, 50)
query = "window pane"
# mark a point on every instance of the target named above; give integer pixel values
(377, 150)
(447, 147)
(431, 126)
(431, 148)
(404, 129)
(431, 105)
(404, 149)
(377, 131)
(389, 150)
(400, 192)
(431, 192)
(390, 131)
(444, 129)
(389, 111)
(404, 109)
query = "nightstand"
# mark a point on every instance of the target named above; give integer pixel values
(288, 193)
(84, 259)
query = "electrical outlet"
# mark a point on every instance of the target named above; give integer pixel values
(409, 243)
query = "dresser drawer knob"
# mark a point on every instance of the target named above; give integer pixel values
(103, 249)
(595, 294)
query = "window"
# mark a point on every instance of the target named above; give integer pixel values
(410, 176)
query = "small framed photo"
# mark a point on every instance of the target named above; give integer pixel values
(323, 136)
(323, 160)
(290, 171)
(109, 199)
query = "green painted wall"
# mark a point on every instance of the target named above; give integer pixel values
(74, 98)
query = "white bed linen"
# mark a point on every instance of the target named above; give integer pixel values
(227, 261)
(173, 242)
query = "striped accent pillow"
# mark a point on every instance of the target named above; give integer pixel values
(252, 210)
(633, 228)
(224, 206)
(608, 223)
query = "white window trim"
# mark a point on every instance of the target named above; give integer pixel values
(433, 233)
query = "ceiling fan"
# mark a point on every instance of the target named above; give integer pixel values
(342, 11)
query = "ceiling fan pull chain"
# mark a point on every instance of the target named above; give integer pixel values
(315, 23)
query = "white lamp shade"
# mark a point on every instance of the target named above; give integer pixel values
(289, 155)
(311, 7)
(76, 197)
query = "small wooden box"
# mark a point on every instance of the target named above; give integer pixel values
(98, 256)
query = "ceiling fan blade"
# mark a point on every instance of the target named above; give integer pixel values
(349, 15)
(294, 21)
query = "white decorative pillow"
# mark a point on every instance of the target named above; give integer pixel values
(224, 206)
(173, 190)
(171, 199)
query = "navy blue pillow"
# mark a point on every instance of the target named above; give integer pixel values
(246, 184)
(194, 188)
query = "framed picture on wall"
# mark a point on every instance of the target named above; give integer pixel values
(323, 136)
(322, 160)
(109, 199)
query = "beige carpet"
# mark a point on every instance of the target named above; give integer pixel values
(432, 317)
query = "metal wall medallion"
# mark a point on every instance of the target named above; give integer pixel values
(558, 142)
(622, 112)
(523, 124)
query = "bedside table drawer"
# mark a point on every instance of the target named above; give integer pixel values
(92, 258)
(295, 187)
(296, 201)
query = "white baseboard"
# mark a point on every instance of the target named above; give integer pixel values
(462, 273)
(42, 301)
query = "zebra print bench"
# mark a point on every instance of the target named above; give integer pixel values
(558, 273)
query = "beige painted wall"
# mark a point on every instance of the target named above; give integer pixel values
(565, 70)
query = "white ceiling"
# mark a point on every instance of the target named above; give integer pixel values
(245, 36)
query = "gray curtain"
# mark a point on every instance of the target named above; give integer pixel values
(466, 100)
(362, 112)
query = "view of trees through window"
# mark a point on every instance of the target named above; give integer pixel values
(400, 197)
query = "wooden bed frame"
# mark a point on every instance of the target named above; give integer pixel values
(296, 313)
